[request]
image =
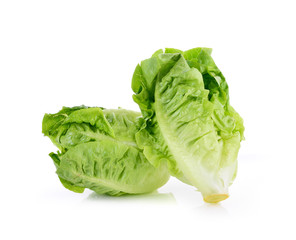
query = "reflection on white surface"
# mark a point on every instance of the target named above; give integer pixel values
(154, 197)
(212, 210)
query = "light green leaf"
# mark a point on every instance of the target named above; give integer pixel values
(188, 120)
(99, 152)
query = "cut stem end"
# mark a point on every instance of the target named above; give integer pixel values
(215, 198)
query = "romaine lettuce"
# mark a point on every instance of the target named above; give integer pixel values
(189, 122)
(98, 151)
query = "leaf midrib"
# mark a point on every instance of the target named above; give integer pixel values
(109, 184)
(99, 136)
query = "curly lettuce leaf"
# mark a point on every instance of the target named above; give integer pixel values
(98, 151)
(189, 122)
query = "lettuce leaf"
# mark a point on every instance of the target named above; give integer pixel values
(98, 151)
(188, 120)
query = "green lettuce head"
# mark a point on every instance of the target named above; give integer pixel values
(98, 151)
(188, 121)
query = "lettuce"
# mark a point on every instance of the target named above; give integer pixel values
(188, 120)
(98, 150)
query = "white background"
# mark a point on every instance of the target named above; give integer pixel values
(67, 53)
